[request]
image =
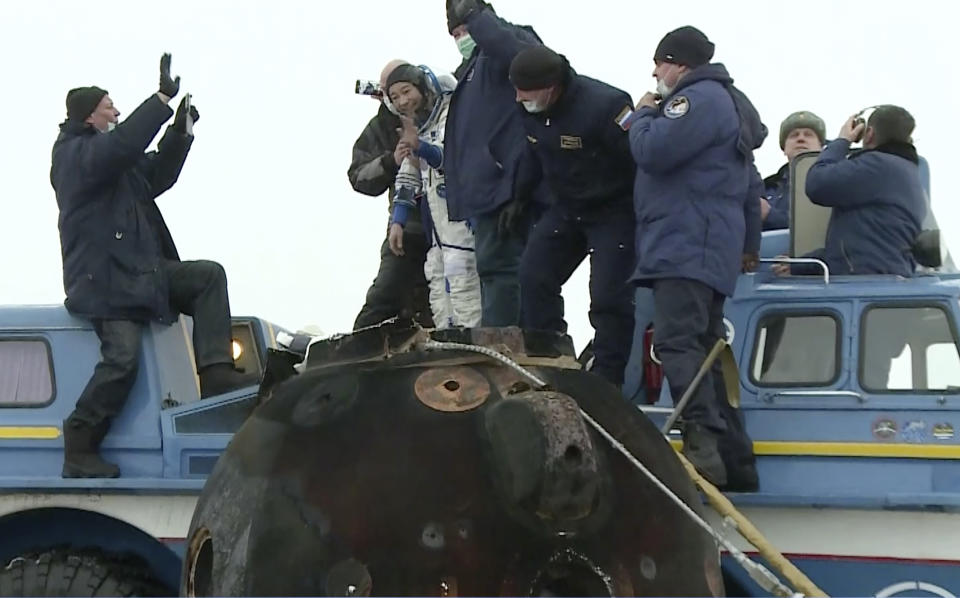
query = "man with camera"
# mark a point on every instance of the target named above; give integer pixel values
(400, 288)
(120, 266)
(877, 197)
(484, 148)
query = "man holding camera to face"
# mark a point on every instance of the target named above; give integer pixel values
(877, 197)
(400, 288)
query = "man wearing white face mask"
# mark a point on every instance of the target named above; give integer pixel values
(484, 150)
(575, 132)
(121, 269)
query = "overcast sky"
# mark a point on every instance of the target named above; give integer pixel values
(265, 191)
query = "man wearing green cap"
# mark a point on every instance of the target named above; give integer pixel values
(800, 132)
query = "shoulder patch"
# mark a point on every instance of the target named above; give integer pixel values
(677, 107)
(624, 116)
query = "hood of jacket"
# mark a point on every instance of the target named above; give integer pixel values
(752, 130)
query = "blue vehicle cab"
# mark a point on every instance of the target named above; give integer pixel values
(70, 536)
(850, 388)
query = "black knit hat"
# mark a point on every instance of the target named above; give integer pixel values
(453, 20)
(537, 67)
(82, 101)
(687, 46)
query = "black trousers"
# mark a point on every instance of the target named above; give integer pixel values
(400, 288)
(688, 321)
(198, 289)
(558, 243)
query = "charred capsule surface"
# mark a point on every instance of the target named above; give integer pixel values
(385, 469)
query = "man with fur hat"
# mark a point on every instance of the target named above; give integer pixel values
(877, 198)
(399, 288)
(574, 130)
(423, 99)
(800, 132)
(485, 146)
(120, 266)
(696, 200)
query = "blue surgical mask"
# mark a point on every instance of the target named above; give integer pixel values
(466, 45)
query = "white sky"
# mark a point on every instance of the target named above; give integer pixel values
(265, 191)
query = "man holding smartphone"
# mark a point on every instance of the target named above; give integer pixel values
(120, 265)
(400, 288)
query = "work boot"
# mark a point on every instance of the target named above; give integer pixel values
(700, 448)
(741, 478)
(81, 457)
(220, 378)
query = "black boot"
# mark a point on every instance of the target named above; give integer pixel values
(220, 378)
(700, 447)
(81, 457)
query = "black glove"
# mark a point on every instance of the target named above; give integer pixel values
(180, 120)
(168, 85)
(511, 218)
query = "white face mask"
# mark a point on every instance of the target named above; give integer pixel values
(532, 106)
(111, 126)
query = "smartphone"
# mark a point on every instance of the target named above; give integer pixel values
(186, 105)
(368, 88)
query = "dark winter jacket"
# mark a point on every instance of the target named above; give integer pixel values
(484, 135)
(879, 205)
(776, 190)
(113, 238)
(583, 151)
(697, 191)
(373, 169)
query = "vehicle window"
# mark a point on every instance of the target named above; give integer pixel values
(25, 376)
(796, 350)
(908, 348)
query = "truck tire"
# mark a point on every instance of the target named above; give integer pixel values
(86, 573)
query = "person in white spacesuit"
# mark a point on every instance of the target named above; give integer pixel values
(422, 99)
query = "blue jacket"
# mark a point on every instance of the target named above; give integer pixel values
(697, 190)
(776, 190)
(582, 151)
(484, 134)
(113, 238)
(879, 205)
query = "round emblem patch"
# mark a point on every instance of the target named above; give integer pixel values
(677, 107)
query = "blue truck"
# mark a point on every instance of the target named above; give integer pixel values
(121, 536)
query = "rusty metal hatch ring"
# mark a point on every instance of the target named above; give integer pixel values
(452, 389)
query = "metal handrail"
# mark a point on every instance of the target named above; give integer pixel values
(817, 393)
(800, 260)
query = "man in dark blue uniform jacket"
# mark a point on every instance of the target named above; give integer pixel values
(120, 266)
(697, 203)
(877, 197)
(582, 152)
(484, 143)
